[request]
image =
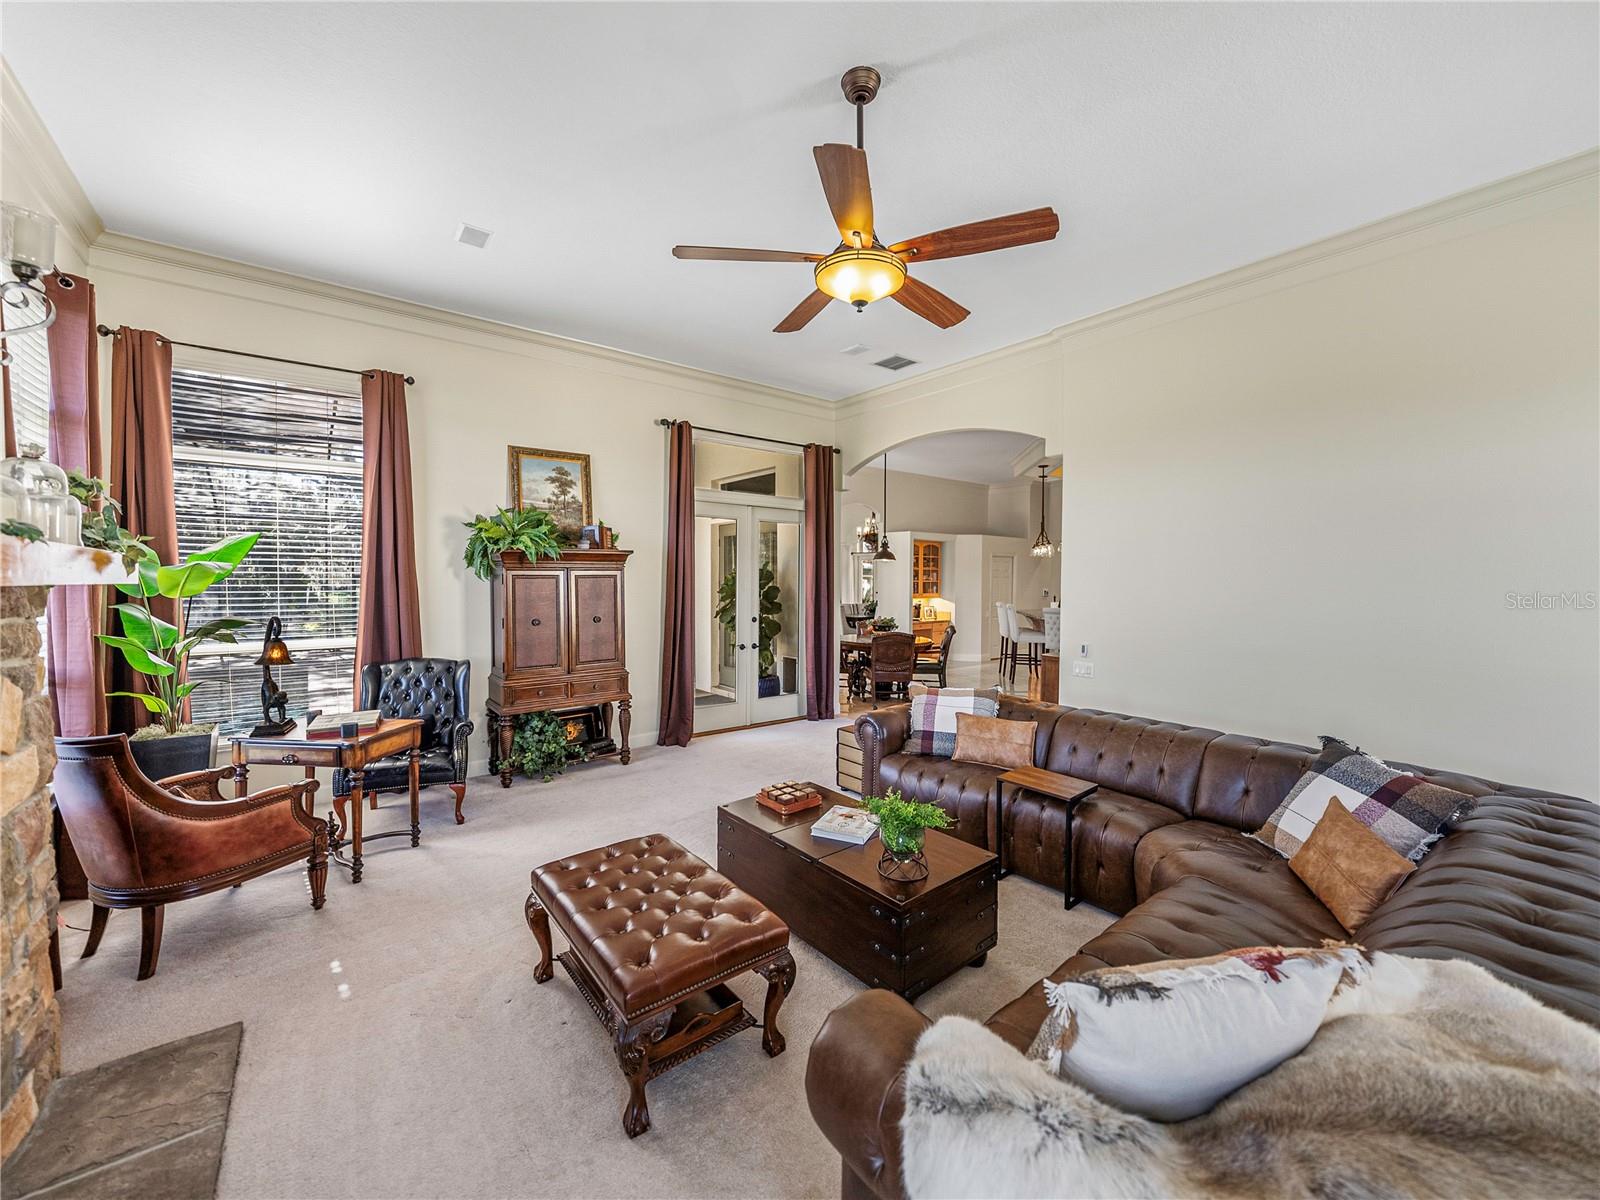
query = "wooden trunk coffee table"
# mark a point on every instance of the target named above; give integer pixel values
(905, 937)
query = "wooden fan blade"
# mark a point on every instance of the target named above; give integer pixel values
(997, 233)
(844, 181)
(803, 312)
(732, 254)
(930, 303)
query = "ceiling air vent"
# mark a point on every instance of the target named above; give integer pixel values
(895, 362)
(471, 235)
(858, 348)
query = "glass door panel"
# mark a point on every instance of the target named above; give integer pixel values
(749, 667)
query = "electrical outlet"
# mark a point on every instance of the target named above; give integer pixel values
(1083, 670)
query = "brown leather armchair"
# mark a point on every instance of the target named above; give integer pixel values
(145, 844)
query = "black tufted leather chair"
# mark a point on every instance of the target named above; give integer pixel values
(438, 690)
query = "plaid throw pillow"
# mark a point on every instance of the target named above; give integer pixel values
(933, 718)
(1408, 813)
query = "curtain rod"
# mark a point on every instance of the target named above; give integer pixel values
(668, 423)
(105, 331)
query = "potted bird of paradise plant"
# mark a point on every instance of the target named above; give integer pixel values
(159, 651)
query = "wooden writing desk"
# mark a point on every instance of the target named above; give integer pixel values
(298, 749)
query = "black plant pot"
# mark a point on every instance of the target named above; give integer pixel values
(177, 754)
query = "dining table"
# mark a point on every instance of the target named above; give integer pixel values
(855, 650)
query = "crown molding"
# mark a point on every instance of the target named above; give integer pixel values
(1566, 181)
(116, 252)
(27, 136)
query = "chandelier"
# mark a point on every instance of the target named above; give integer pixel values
(1042, 546)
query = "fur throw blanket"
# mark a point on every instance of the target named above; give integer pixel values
(1429, 1079)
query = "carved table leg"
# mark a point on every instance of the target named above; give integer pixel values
(632, 1045)
(624, 720)
(414, 777)
(779, 974)
(506, 730)
(337, 822)
(539, 922)
(460, 789)
(317, 868)
(358, 783)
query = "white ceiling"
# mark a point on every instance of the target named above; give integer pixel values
(974, 455)
(346, 142)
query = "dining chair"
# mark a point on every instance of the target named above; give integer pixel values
(1005, 636)
(1028, 641)
(891, 662)
(144, 844)
(936, 663)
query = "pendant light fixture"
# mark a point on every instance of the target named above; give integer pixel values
(1042, 546)
(884, 554)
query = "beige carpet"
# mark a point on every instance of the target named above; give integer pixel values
(395, 1043)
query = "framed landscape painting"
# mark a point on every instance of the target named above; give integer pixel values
(554, 481)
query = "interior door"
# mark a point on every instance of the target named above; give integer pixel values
(749, 661)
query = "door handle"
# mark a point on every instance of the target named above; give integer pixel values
(742, 646)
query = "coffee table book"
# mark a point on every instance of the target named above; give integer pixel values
(902, 936)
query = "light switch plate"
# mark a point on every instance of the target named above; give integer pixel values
(1082, 669)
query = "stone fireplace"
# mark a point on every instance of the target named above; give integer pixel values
(30, 1019)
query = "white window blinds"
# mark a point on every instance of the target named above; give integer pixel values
(283, 460)
(30, 383)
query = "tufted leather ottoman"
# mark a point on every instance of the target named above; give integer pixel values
(654, 935)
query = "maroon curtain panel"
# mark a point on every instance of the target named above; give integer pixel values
(677, 619)
(389, 615)
(74, 659)
(822, 688)
(141, 480)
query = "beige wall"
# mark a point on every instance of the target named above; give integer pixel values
(1298, 495)
(479, 389)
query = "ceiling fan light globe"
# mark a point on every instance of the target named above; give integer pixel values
(860, 275)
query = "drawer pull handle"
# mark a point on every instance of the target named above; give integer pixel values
(596, 620)
(535, 621)
(291, 759)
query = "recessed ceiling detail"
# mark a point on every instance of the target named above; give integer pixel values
(1177, 140)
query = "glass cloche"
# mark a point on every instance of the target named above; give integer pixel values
(51, 506)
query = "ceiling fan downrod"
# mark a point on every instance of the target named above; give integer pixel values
(860, 85)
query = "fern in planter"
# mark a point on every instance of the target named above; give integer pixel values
(530, 530)
(541, 747)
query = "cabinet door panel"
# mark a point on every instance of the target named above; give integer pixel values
(596, 619)
(538, 641)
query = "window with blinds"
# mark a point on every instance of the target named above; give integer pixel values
(29, 374)
(283, 460)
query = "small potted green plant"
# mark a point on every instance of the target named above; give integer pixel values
(885, 624)
(529, 530)
(902, 827)
(159, 650)
(543, 746)
(770, 626)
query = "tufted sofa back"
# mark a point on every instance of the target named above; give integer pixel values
(1153, 760)
(438, 690)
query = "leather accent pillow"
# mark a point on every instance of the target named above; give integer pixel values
(1407, 812)
(1169, 1040)
(994, 740)
(933, 718)
(1348, 867)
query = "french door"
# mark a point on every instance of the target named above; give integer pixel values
(749, 634)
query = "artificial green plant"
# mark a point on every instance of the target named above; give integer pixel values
(770, 612)
(530, 530)
(901, 821)
(159, 650)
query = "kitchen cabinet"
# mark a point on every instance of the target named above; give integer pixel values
(925, 568)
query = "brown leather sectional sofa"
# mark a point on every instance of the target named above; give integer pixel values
(1514, 887)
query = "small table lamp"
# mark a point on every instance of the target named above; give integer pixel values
(273, 654)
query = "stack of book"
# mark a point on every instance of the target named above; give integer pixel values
(789, 798)
(842, 823)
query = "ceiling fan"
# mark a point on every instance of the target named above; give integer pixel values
(863, 269)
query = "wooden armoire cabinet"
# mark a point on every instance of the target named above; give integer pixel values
(557, 626)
